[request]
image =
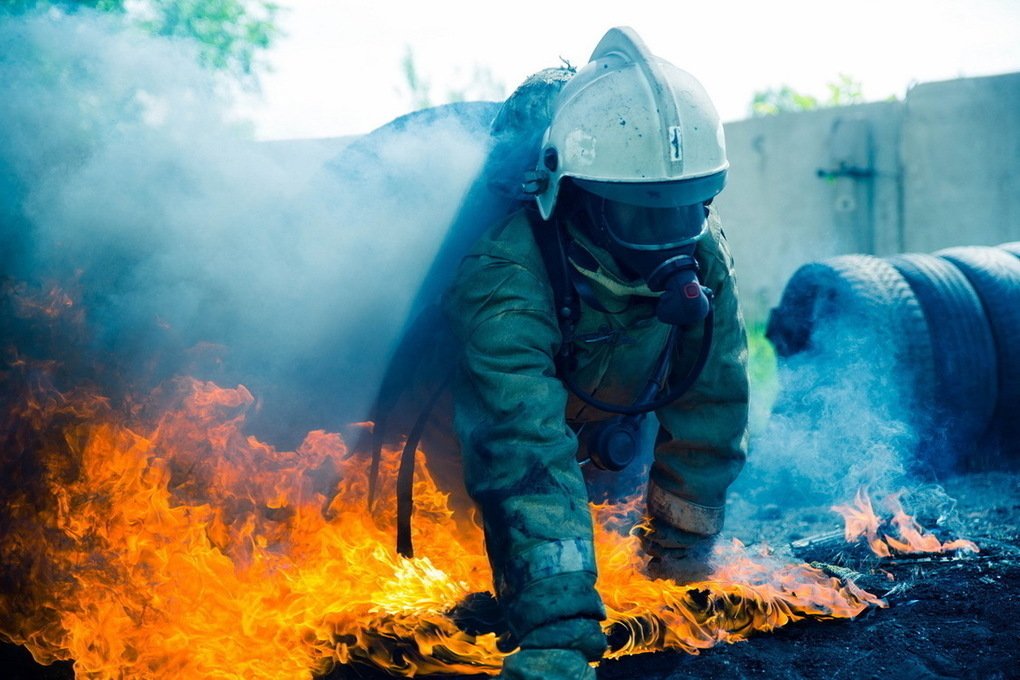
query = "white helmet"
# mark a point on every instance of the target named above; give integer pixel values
(634, 129)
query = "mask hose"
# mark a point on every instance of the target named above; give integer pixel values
(614, 443)
(647, 401)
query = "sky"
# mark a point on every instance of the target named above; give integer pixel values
(338, 69)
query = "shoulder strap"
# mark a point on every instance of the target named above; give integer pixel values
(549, 238)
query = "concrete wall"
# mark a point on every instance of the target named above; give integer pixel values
(941, 168)
(961, 163)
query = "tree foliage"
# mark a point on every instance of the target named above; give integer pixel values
(843, 91)
(230, 34)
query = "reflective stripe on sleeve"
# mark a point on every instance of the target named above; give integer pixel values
(545, 560)
(704, 520)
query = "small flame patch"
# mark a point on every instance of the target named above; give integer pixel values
(900, 532)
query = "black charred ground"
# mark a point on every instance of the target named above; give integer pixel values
(947, 618)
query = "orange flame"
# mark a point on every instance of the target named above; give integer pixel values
(862, 521)
(50, 303)
(179, 547)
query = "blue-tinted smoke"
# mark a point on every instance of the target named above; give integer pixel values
(844, 418)
(274, 264)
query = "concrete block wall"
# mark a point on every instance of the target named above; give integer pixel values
(940, 168)
(961, 163)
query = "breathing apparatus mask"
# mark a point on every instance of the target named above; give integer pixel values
(669, 268)
(657, 245)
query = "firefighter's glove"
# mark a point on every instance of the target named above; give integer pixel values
(546, 664)
(676, 554)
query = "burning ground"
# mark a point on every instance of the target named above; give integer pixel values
(149, 532)
(162, 539)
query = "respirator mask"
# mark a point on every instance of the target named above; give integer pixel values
(657, 244)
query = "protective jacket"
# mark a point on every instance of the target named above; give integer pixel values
(516, 421)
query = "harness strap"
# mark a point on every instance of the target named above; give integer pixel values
(550, 246)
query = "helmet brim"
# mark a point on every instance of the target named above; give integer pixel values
(657, 194)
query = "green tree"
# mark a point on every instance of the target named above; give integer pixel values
(843, 91)
(230, 34)
(480, 85)
(15, 6)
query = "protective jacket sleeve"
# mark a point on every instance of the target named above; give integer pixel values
(519, 454)
(703, 436)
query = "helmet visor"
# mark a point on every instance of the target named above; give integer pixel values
(640, 228)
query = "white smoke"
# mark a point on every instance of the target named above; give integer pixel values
(843, 419)
(121, 170)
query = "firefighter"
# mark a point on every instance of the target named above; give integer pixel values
(610, 297)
